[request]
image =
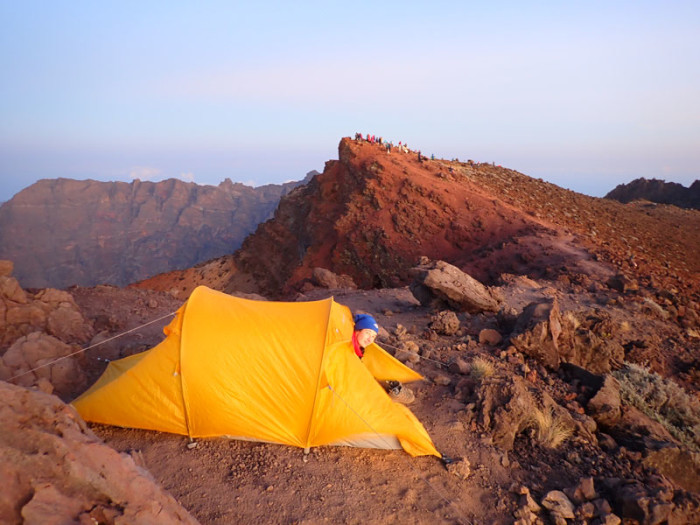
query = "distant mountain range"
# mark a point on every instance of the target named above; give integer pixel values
(63, 232)
(659, 191)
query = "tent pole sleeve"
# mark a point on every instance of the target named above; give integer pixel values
(312, 418)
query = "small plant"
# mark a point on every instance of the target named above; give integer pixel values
(550, 429)
(480, 368)
(662, 400)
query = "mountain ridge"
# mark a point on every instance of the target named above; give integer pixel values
(371, 215)
(63, 232)
(658, 191)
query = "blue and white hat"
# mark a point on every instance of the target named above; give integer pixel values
(363, 321)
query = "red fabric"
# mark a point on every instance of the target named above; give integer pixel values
(356, 345)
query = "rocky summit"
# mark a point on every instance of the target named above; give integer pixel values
(65, 232)
(558, 336)
(371, 214)
(659, 191)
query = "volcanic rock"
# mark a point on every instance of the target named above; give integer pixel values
(445, 322)
(40, 356)
(490, 336)
(49, 310)
(438, 282)
(55, 470)
(327, 279)
(558, 504)
(538, 329)
(676, 463)
(543, 333)
(460, 467)
(604, 406)
(506, 407)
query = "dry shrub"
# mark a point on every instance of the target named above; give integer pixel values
(662, 400)
(480, 368)
(550, 429)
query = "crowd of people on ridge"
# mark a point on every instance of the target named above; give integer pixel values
(388, 145)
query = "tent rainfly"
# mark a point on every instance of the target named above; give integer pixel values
(276, 372)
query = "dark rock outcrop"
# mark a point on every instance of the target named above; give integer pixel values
(63, 232)
(509, 406)
(659, 191)
(544, 333)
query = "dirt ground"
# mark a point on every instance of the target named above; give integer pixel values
(228, 481)
(221, 481)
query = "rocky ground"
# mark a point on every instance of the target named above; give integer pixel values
(475, 402)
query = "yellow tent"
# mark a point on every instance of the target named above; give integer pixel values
(264, 371)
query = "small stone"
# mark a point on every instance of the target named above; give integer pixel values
(586, 490)
(586, 511)
(610, 519)
(459, 366)
(557, 502)
(460, 468)
(526, 501)
(410, 346)
(602, 507)
(445, 322)
(441, 379)
(490, 336)
(606, 442)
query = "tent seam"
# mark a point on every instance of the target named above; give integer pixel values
(320, 373)
(185, 404)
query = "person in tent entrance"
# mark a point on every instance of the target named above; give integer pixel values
(364, 334)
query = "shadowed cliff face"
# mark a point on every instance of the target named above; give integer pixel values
(372, 214)
(63, 232)
(655, 190)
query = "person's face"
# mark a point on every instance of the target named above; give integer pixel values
(366, 337)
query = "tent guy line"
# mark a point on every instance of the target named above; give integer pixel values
(423, 358)
(439, 363)
(93, 346)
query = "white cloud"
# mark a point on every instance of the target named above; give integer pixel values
(144, 173)
(187, 177)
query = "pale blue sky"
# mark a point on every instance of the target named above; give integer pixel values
(586, 95)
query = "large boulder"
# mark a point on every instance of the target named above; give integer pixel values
(653, 504)
(438, 283)
(509, 406)
(52, 311)
(42, 360)
(676, 463)
(537, 332)
(55, 470)
(542, 332)
(605, 405)
(327, 279)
